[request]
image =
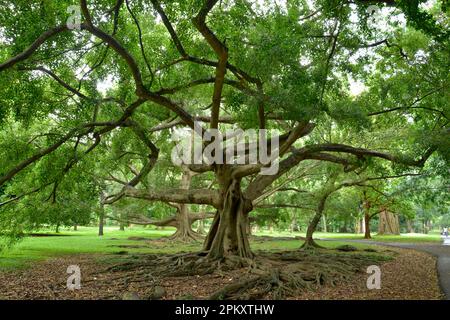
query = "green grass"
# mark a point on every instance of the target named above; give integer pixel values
(86, 241)
(406, 237)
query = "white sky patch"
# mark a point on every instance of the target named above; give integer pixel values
(356, 87)
(265, 6)
(79, 73)
(421, 56)
(409, 119)
(3, 39)
(105, 85)
(427, 5)
(305, 61)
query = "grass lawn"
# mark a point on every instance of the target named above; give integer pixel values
(404, 237)
(85, 241)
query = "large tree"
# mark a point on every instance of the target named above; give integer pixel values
(259, 65)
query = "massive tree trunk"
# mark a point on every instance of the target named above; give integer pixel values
(228, 233)
(388, 223)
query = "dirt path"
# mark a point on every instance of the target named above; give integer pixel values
(440, 251)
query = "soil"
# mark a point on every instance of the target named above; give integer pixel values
(411, 275)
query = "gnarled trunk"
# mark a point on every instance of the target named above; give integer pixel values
(388, 223)
(309, 241)
(184, 226)
(183, 223)
(228, 233)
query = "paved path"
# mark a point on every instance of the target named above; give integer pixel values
(441, 251)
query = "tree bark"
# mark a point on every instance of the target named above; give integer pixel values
(201, 227)
(75, 227)
(367, 216)
(101, 220)
(183, 224)
(309, 241)
(388, 223)
(294, 225)
(324, 222)
(409, 226)
(228, 234)
(359, 225)
(367, 226)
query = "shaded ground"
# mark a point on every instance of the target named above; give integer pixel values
(440, 251)
(412, 275)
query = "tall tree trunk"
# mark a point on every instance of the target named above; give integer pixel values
(426, 227)
(101, 220)
(358, 227)
(228, 233)
(294, 224)
(409, 226)
(201, 227)
(184, 231)
(367, 216)
(122, 226)
(388, 223)
(249, 227)
(324, 223)
(367, 226)
(75, 227)
(184, 224)
(309, 241)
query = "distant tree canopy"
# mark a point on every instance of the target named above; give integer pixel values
(90, 111)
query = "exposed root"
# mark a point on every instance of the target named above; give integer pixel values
(187, 236)
(284, 274)
(268, 275)
(311, 245)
